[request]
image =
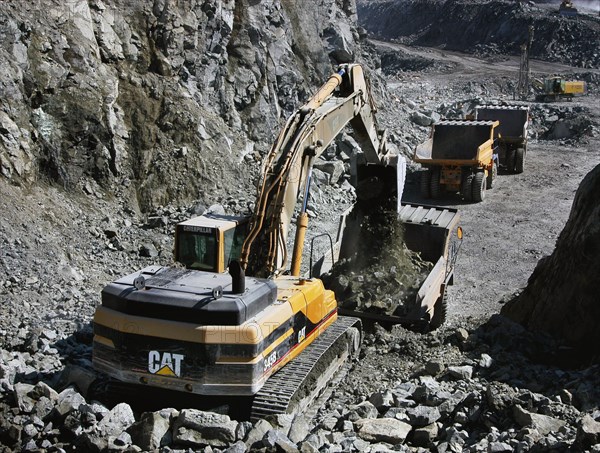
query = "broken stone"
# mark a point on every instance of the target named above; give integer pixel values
(279, 441)
(588, 432)
(424, 436)
(195, 428)
(117, 420)
(148, 250)
(151, 431)
(542, 423)
(461, 372)
(257, 433)
(423, 415)
(382, 430)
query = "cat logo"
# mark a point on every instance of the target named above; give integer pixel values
(165, 363)
(301, 334)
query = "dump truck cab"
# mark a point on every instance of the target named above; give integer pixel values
(210, 242)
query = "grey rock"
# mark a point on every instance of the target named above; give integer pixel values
(278, 440)
(41, 389)
(423, 415)
(68, 400)
(282, 422)
(500, 447)
(148, 250)
(151, 431)
(92, 442)
(434, 367)
(588, 432)
(382, 430)
(425, 435)
(299, 429)
(311, 444)
(333, 169)
(258, 432)
(485, 361)
(117, 420)
(461, 334)
(382, 400)
(461, 372)
(196, 428)
(421, 119)
(157, 221)
(238, 447)
(542, 423)
(366, 409)
(330, 422)
(21, 393)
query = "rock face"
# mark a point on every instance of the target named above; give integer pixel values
(488, 27)
(157, 92)
(561, 297)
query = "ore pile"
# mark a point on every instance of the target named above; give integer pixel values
(473, 388)
(381, 275)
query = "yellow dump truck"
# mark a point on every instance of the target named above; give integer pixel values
(459, 156)
(557, 88)
(511, 134)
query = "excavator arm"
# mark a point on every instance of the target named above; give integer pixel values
(344, 99)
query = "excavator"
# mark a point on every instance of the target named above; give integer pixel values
(236, 319)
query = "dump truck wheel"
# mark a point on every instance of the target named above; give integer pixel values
(478, 187)
(434, 187)
(466, 187)
(440, 308)
(425, 183)
(510, 160)
(519, 160)
(491, 177)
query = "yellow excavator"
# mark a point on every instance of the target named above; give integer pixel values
(557, 88)
(239, 320)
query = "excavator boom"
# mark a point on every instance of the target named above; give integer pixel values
(344, 99)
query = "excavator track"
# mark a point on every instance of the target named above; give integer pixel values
(293, 388)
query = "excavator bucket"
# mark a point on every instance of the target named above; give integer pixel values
(373, 182)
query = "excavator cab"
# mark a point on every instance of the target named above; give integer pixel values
(210, 242)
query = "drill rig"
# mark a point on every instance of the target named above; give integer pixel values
(260, 331)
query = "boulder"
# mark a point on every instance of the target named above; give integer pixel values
(197, 428)
(544, 424)
(382, 430)
(117, 420)
(588, 432)
(151, 431)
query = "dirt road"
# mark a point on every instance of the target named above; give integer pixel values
(522, 216)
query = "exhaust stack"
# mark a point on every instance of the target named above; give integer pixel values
(238, 277)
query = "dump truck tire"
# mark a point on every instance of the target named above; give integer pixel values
(425, 184)
(434, 187)
(466, 187)
(519, 160)
(510, 160)
(440, 309)
(491, 177)
(478, 187)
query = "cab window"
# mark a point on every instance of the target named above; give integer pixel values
(197, 250)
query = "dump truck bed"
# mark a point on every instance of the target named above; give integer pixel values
(458, 142)
(513, 120)
(427, 231)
